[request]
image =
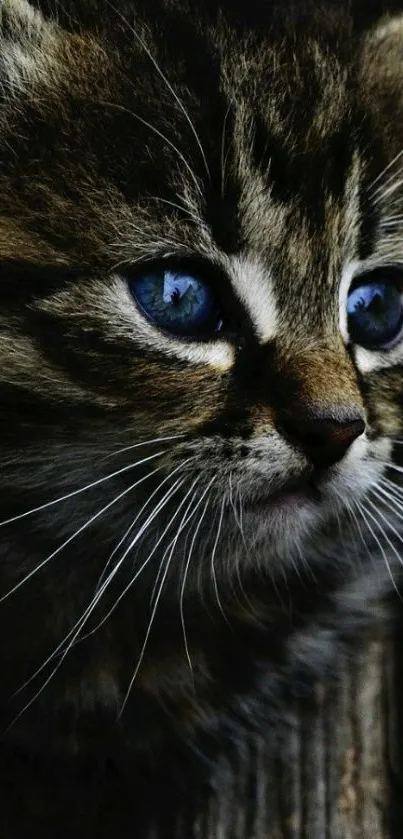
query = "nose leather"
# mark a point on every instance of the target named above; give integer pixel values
(324, 439)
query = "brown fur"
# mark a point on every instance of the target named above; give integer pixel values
(260, 145)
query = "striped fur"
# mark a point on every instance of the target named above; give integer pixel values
(259, 143)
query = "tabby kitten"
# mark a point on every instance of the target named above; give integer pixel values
(200, 377)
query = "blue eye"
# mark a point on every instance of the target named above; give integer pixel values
(375, 312)
(178, 302)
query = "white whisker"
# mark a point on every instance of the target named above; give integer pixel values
(239, 523)
(75, 492)
(391, 223)
(150, 625)
(384, 518)
(389, 465)
(135, 520)
(166, 498)
(223, 156)
(182, 591)
(365, 512)
(354, 517)
(182, 524)
(380, 196)
(165, 80)
(81, 529)
(353, 527)
(393, 488)
(159, 133)
(181, 207)
(152, 516)
(385, 170)
(212, 561)
(391, 499)
(238, 518)
(156, 603)
(78, 626)
(384, 186)
(144, 443)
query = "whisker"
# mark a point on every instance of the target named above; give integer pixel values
(150, 625)
(212, 561)
(390, 498)
(384, 518)
(80, 530)
(384, 186)
(393, 488)
(223, 156)
(385, 170)
(239, 523)
(391, 222)
(390, 543)
(237, 517)
(75, 492)
(78, 626)
(144, 443)
(355, 526)
(182, 524)
(182, 591)
(182, 158)
(380, 196)
(165, 80)
(389, 465)
(154, 611)
(181, 207)
(145, 505)
(365, 512)
(166, 498)
(352, 513)
(143, 649)
(144, 564)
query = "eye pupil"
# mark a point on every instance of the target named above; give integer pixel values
(179, 302)
(176, 296)
(377, 305)
(375, 310)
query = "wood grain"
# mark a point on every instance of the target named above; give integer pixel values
(335, 775)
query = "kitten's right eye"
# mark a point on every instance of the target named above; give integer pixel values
(178, 302)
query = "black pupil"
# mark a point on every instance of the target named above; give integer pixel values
(176, 297)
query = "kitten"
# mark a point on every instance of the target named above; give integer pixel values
(200, 377)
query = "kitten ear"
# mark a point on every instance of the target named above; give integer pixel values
(27, 42)
(382, 75)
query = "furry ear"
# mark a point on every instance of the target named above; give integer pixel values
(382, 76)
(27, 45)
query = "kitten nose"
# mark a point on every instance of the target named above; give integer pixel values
(324, 439)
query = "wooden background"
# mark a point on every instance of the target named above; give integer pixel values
(343, 781)
(338, 777)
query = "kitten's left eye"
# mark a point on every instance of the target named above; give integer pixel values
(181, 303)
(375, 311)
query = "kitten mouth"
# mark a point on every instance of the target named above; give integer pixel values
(295, 492)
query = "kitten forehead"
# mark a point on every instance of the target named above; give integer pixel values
(240, 119)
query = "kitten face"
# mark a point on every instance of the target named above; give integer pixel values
(182, 227)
